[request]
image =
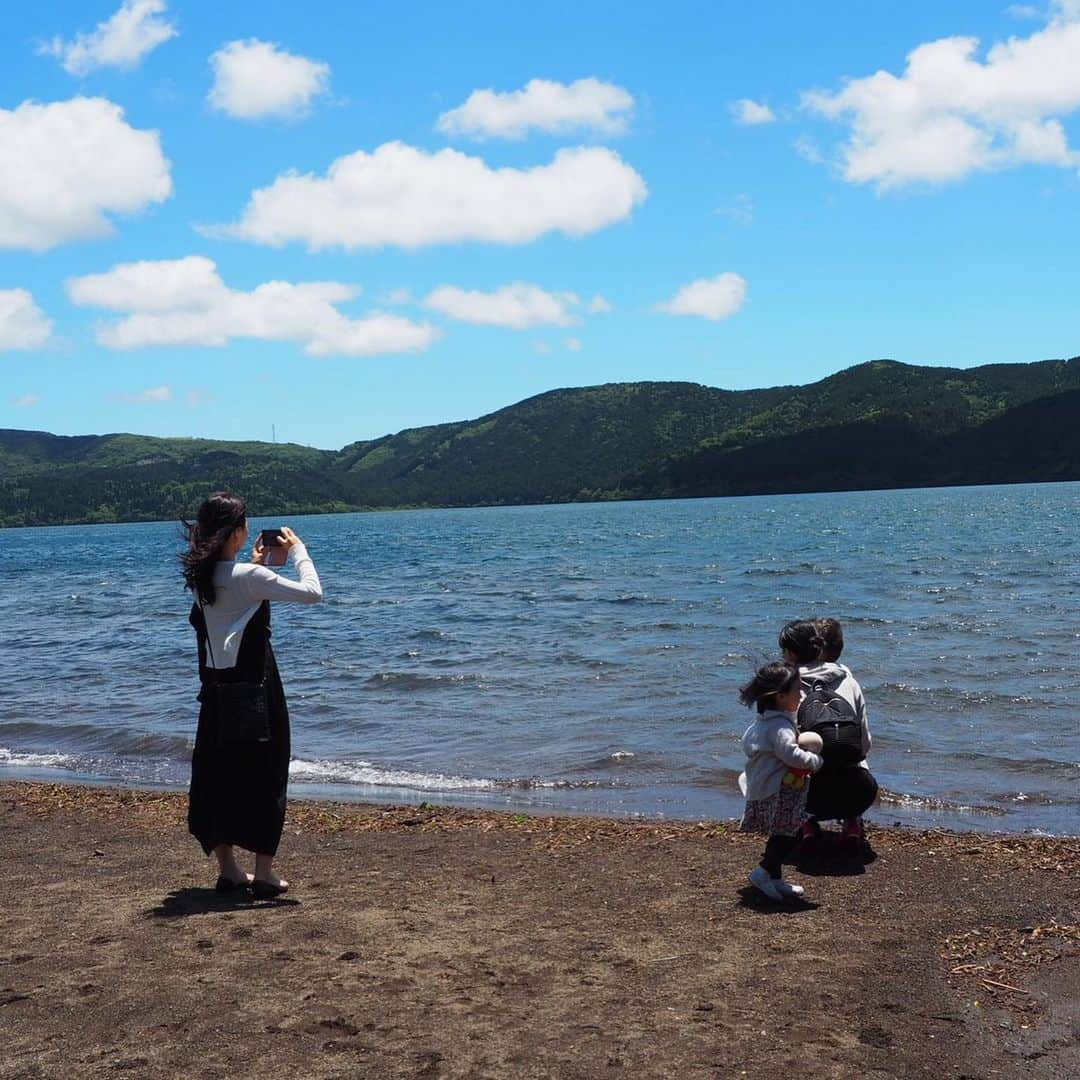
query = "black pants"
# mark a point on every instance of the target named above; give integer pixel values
(777, 849)
(846, 792)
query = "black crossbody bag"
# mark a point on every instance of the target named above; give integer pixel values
(243, 711)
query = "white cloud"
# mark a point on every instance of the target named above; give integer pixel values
(541, 348)
(1023, 11)
(155, 395)
(27, 401)
(751, 113)
(185, 302)
(951, 114)
(405, 197)
(599, 306)
(552, 107)
(23, 325)
(194, 398)
(156, 287)
(396, 298)
(740, 210)
(255, 79)
(711, 298)
(121, 41)
(809, 150)
(519, 306)
(573, 344)
(65, 165)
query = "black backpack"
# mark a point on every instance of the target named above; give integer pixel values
(832, 717)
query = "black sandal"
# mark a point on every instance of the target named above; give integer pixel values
(266, 890)
(226, 884)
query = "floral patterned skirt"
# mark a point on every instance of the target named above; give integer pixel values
(777, 815)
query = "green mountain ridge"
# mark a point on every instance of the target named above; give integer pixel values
(878, 424)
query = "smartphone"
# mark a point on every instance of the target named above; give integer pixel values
(276, 554)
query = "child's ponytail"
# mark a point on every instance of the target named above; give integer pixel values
(770, 682)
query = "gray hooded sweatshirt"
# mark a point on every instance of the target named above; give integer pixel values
(838, 679)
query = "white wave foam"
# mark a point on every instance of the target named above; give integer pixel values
(364, 773)
(927, 802)
(35, 761)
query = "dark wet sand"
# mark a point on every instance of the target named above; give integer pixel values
(458, 943)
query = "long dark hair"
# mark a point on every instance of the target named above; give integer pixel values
(771, 681)
(218, 518)
(802, 638)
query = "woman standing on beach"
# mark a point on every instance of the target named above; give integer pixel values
(240, 765)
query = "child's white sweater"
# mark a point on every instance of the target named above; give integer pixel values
(771, 748)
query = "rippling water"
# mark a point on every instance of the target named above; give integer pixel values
(586, 657)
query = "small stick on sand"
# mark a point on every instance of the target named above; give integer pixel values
(1004, 986)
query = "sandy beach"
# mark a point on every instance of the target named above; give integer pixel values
(437, 942)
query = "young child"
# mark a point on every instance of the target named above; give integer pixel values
(776, 774)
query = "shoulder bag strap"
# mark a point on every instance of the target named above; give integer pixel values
(206, 631)
(210, 648)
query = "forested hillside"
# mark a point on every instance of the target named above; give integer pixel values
(880, 424)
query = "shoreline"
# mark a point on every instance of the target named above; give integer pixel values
(167, 804)
(299, 791)
(454, 942)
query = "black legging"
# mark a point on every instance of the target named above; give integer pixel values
(777, 849)
(846, 792)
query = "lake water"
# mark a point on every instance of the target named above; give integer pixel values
(585, 658)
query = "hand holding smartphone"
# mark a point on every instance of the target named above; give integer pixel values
(271, 541)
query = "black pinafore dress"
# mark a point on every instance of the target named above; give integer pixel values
(237, 793)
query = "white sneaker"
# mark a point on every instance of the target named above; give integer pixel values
(759, 878)
(787, 890)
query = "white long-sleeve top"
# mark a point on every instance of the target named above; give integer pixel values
(771, 747)
(240, 588)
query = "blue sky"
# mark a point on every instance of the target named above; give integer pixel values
(337, 220)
